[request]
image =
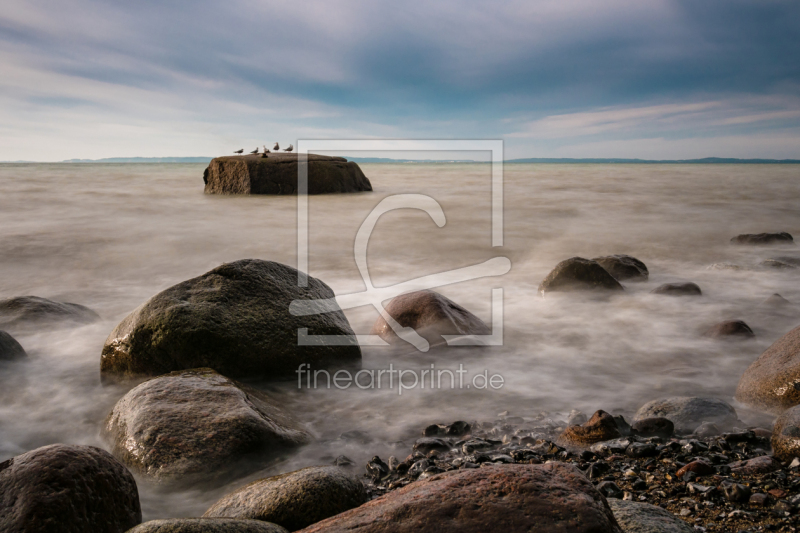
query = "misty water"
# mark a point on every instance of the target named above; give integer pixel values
(111, 236)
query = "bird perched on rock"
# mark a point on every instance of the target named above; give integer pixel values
(377, 469)
(266, 150)
(291, 147)
(276, 147)
(255, 151)
(239, 151)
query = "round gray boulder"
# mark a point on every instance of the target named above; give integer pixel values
(207, 525)
(772, 382)
(67, 489)
(578, 274)
(688, 412)
(624, 267)
(294, 500)
(197, 425)
(234, 319)
(636, 517)
(10, 349)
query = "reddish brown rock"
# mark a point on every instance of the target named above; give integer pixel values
(757, 465)
(786, 435)
(701, 468)
(550, 498)
(600, 427)
(772, 382)
(730, 329)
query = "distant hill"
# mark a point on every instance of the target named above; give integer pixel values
(143, 160)
(703, 161)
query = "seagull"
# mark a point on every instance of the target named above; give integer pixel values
(239, 151)
(291, 147)
(276, 147)
(266, 150)
(255, 151)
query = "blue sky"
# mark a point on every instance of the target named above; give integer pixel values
(579, 78)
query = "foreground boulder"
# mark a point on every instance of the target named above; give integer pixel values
(277, 174)
(687, 413)
(678, 289)
(67, 489)
(234, 319)
(578, 274)
(207, 525)
(431, 315)
(623, 267)
(10, 349)
(552, 498)
(197, 425)
(294, 500)
(771, 382)
(600, 427)
(786, 435)
(34, 310)
(763, 238)
(730, 329)
(636, 517)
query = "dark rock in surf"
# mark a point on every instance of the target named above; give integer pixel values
(638, 517)
(431, 315)
(623, 267)
(772, 382)
(426, 445)
(207, 525)
(553, 497)
(277, 174)
(687, 413)
(24, 310)
(294, 500)
(234, 319)
(600, 427)
(10, 349)
(67, 489)
(654, 427)
(730, 329)
(763, 238)
(781, 263)
(198, 426)
(678, 289)
(578, 274)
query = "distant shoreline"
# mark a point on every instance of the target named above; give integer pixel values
(531, 160)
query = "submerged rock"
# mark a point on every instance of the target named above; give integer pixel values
(687, 413)
(431, 315)
(730, 329)
(781, 263)
(678, 289)
(36, 310)
(277, 174)
(578, 274)
(763, 238)
(67, 489)
(623, 267)
(294, 500)
(234, 319)
(772, 382)
(637, 517)
(10, 349)
(600, 427)
(554, 497)
(786, 435)
(207, 525)
(196, 425)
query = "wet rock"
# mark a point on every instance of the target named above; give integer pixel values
(678, 289)
(343, 460)
(623, 267)
(735, 492)
(611, 447)
(477, 445)
(730, 329)
(554, 497)
(772, 382)
(641, 449)
(763, 238)
(707, 429)
(600, 427)
(786, 435)
(654, 427)
(431, 315)
(609, 489)
(35, 310)
(458, 429)
(68, 489)
(235, 319)
(427, 444)
(622, 425)
(598, 470)
(207, 525)
(377, 469)
(759, 499)
(197, 425)
(781, 263)
(700, 468)
(636, 517)
(10, 349)
(294, 500)
(757, 465)
(578, 274)
(434, 430)
(688, 412)
(277, 174)
(776, 302)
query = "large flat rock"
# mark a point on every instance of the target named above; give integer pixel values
(277, 174)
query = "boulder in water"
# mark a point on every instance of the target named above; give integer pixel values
(277, 174)
(772, 382)
(10, 349)
(730, 329)
(578, 274)
(763, 238)
(623, 267)
(234, 319)
(687, 413)
(35, 310)
(678, 289)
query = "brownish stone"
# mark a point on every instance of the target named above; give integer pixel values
(772, 382)
(600, 427)
(701, 468)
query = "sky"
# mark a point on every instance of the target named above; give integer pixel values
(660, 79)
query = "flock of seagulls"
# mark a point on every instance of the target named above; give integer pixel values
(266, 150)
